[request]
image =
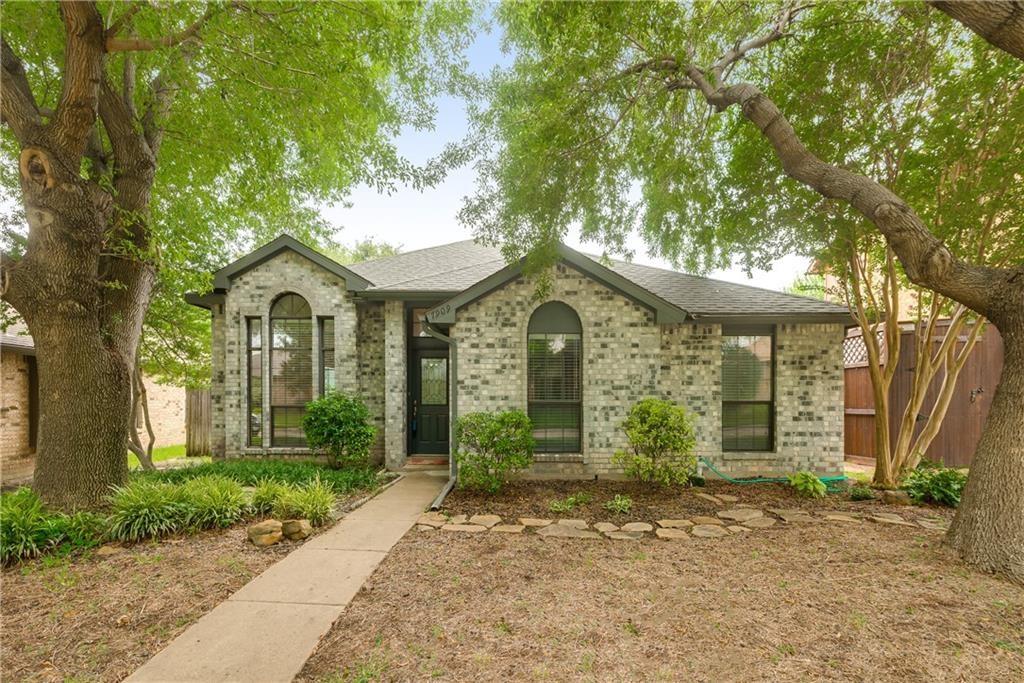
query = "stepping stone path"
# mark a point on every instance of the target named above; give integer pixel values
(739, 520)
(740, 514)
(711, 499)
(727, 499)
(565, 531)
(705, 521)
(485, 520)
(675, 523)
(671, 533)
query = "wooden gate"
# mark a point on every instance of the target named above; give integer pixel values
(197, 422)
(957, 439)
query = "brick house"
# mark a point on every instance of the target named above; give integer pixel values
(19, 407)
(430, 334)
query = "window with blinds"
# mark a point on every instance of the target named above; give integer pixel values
(748, 408)
(254, 392)
(554, 369)
(327, 377)
(291, 361)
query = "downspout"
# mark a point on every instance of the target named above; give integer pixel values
(453, 384)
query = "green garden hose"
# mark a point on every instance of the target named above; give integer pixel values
(832, 483)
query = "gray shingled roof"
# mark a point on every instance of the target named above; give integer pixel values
(456, 266)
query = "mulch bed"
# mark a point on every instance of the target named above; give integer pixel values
(532, 499)
(823, 601)
(101, 615)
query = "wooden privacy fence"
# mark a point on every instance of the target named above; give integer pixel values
(197, 422)
(957, 439)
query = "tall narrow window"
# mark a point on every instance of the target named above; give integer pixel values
(254, 334)
(554, 360)
(748, 410)
(327, 378)
(291, 362)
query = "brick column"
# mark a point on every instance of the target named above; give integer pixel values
(395, 384)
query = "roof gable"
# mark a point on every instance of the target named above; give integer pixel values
(665, 311)
(223, 277)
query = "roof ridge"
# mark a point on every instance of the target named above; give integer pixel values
(392, 285)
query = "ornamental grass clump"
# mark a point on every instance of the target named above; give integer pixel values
(661, 442)
(148, 509)
(314, 501)
(28, 529)
(492, 447)
(265, 494)
(214, 502)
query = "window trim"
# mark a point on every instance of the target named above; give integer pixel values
(311, 319)
(322, 380)
(753, 331)
(556, 320)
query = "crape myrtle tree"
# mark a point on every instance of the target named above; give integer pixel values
(630, 116)
(141, 136)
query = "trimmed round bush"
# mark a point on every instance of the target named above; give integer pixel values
(338, 426)
(492, 447)
(661, 442)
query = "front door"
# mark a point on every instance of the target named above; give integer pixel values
(428, 404)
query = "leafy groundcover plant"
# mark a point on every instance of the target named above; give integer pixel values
(940, 485)
(493, 447)
(661, 442)
(252, 472)
(28, 528)
(808, 484)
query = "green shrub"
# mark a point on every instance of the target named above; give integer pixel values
(493, 447)
(620, 504)
(28, 529)
(861, 493)
(252, 472)
(943, 486)
(661, 444)
(314, 502)
(338, 426)
(148, 509)
(808, 484)
(265, 494)
(697, 480)
(570, 503)
(214, 501)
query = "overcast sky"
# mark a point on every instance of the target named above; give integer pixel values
(413, 219)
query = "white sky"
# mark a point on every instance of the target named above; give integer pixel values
(412, 219)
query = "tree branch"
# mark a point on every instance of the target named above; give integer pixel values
(776, 32)
(83, 70)
(117, 44)
(17, 104)
(1000, 22)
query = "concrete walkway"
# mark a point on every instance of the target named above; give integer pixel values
(267, 630)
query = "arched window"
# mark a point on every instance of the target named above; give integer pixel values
(291, 363)
(554, 361)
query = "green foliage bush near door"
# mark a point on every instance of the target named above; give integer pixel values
(661, 442)
(492, 447)
(338, 427)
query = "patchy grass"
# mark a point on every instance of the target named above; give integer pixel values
(101, 615)
(162, 453)
(806, 602)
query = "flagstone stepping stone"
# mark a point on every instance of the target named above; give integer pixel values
(709, 531)
(934, 524)
(508, 528)
(890, 518)
(670, 533)
(624, 535)
(791, 516)
(605, 527)
(432, 519)
(468, 528)
(425, 527)
(727, 498)
(840, 517)
(457, 519)
(708, 497)
(485, 520)
(705, 521)
(759, 523)
(637, 526)
(740, 514)
(675, 523)
(563, 531)
(574, 523)
(534, 522)
(737, 529)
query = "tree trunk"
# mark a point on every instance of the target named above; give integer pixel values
(140, 402)
(1000, 22)
(988, 531)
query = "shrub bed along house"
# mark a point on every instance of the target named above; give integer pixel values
(493, 447)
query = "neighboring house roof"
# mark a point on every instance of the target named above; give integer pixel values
(19, 343)
(463, 271)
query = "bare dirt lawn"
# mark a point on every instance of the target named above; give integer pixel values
(814, 601)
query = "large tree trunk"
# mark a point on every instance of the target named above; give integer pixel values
(988, 530)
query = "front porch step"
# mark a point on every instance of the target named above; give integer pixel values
(418, 460)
